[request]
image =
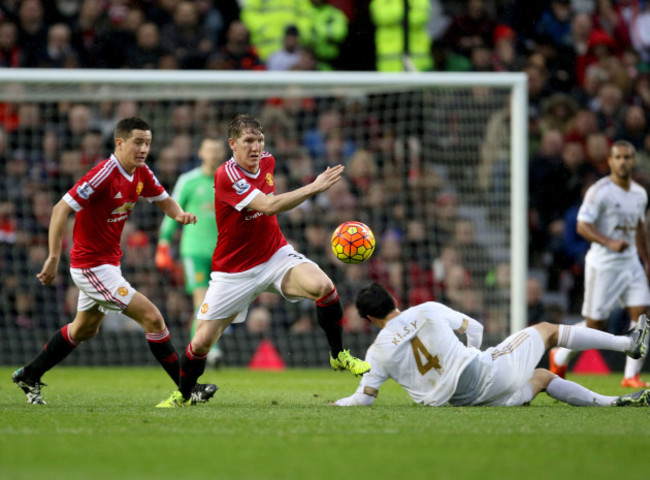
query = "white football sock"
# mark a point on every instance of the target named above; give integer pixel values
(632, 366)
(577, 395)
(581, 338)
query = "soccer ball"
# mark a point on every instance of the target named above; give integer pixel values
(353, 242)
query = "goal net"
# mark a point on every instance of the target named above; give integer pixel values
(435, 166)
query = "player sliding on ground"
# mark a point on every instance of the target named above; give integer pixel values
(419, 350)
(252, 256)
(102, 201)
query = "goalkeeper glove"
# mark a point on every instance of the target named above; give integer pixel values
(163, 258)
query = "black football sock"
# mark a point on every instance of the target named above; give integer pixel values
(160, 344)
(192, 367)
(54, 351)
(329, 313)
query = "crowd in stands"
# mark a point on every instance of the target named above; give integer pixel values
(588, 68)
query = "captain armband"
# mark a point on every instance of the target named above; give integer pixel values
(373, 392)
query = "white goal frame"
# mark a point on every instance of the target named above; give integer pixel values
(168, 79)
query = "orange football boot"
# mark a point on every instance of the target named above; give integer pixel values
(634, 382)
(559, 370)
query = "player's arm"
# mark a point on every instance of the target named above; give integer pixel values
(363, 397)
(369, 385)
(173, 210)
(591, 234)
(275, 204)
(642, 245)
(473, 330)
(58, 222)
(460, 323)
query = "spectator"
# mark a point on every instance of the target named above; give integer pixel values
(214, 23)
(581, 28)
(505, 57)
(79, 121)
(609, 109)
(600, 45)
(186, 37)
(237, 53)
(584, 124)
(473, 255)
(555, 23)
(640, 32)
(558, 111)
(32, 36)
(267, 22)
(162, 12)
(640, 94)
(58, 52)
(329, 29)
(147, 50)
(388, 18)
(112, 44)
(597, 152)
(610, 19)
(86, 29)
(289, 55)
(11, 53)
(473, 28)
(634, 127)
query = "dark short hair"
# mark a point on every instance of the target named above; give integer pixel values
(125, 127)
(375, 300)
(241, 122)
(622, 143)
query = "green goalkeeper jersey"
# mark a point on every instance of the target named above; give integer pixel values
(194, 192)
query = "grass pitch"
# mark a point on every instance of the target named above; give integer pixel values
(100, 424)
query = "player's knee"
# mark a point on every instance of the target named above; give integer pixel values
(84, 332)
(548, 332)
(152, 321)
(541, 378)
(324, 287)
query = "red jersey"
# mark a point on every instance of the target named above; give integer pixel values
(246, 237)
(103, 200)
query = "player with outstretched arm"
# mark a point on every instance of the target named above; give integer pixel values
(252, 256)
(418, 348)
(102, 201)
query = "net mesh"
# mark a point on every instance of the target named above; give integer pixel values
(427, 169)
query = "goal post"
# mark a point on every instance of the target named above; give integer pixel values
(417, 139)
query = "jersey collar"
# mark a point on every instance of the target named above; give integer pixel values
(122, 171)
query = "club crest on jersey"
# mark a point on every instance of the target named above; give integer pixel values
(85, 190)
(204, 308)
(123, 291)
(241, 186)
(269, 179)
(122, 212)
(139, 188)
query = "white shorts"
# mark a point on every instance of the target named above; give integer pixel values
(604, 286)
(232, 293)
(104, 286)
(513, 363)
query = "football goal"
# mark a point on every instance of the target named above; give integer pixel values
(436, 166)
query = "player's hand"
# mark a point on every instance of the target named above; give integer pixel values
(618, 245)
(48, 273)
(163, 258)
(328, 178)
(186, 218)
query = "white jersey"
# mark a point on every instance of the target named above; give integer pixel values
(615, 213)
(420, 351)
